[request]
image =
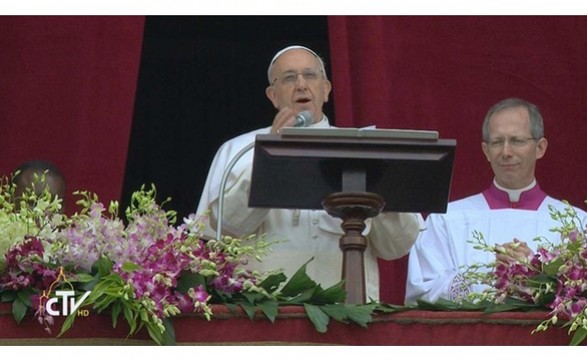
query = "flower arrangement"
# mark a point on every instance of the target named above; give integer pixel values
(144, 269)
(554, 277)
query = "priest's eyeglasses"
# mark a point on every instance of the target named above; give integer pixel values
(290, 77)
(513, 141)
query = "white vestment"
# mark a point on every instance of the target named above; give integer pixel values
(442, 251)
(302, 234)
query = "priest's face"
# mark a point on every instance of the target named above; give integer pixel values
(511, 150)
(298, 83)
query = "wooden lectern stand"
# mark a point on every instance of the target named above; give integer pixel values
(353, 175)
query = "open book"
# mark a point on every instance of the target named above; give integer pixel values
(367, 132)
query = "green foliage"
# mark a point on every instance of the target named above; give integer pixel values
(94, 229)
(320, 305)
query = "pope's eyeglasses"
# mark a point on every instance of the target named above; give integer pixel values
(290, 77)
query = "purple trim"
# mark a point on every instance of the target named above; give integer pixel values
(529, 200)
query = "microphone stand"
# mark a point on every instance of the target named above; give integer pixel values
(303, 119)
(223, 181)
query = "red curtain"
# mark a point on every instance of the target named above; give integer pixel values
(68, 89)
(444, 72)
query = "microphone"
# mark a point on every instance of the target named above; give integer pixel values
(303, 119)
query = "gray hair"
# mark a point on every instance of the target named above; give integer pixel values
(282, 51)
(536, 121)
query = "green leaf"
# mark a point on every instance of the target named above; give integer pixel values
(248, 309)
(518, 304)
(299, 283)
(542, 279)
(252, 297)
(221, 297)
(332, 295)
(317, 317)
(68, 323)
(302, 297)
(131, 316)
(130, 267)
(551, 269)
(25, 297)
(546, 299)
(579, 336)
(336, 311)
(7, 296)
(189, 280)
(103, 266)
(115, 311)
(488, 307)
(441, 304)
(272, 282)
(269, 308)
(168, 337)
(144, 316)
(84, 278)
(155, 333)
(390, 308)
(360, 314)
(19, 309)
(104, 302)
(89, 286)
(233, 308)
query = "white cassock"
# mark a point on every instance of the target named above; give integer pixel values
(442, 251)
(302, 234)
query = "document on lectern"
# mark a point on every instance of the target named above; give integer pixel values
(367, 132)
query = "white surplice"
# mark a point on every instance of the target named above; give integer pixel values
(442, 251)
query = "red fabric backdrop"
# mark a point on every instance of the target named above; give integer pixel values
(68, 89)
(443, 73)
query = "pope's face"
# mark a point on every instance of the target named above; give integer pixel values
(298, 83)
(511, 150)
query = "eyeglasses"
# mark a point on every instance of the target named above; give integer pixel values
(290, 77)
(513, 141)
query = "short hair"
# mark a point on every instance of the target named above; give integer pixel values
(536, 121)
(37, 166)
(292, 47)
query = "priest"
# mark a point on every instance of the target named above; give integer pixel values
(512, 209)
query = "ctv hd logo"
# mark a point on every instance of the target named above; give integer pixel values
(51, 299)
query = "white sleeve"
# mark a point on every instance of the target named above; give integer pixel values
(208, 204)
(239, 219)
(432, 264)
(392, 234)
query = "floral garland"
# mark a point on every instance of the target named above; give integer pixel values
(145, 269)
(554, 277)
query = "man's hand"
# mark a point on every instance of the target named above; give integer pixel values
(511, 252)
(285, 117)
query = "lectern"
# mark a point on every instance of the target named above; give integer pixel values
(352, 174)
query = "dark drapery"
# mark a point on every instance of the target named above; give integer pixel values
(443, 73)
(202, 82)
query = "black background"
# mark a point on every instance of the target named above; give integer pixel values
(202, 81)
